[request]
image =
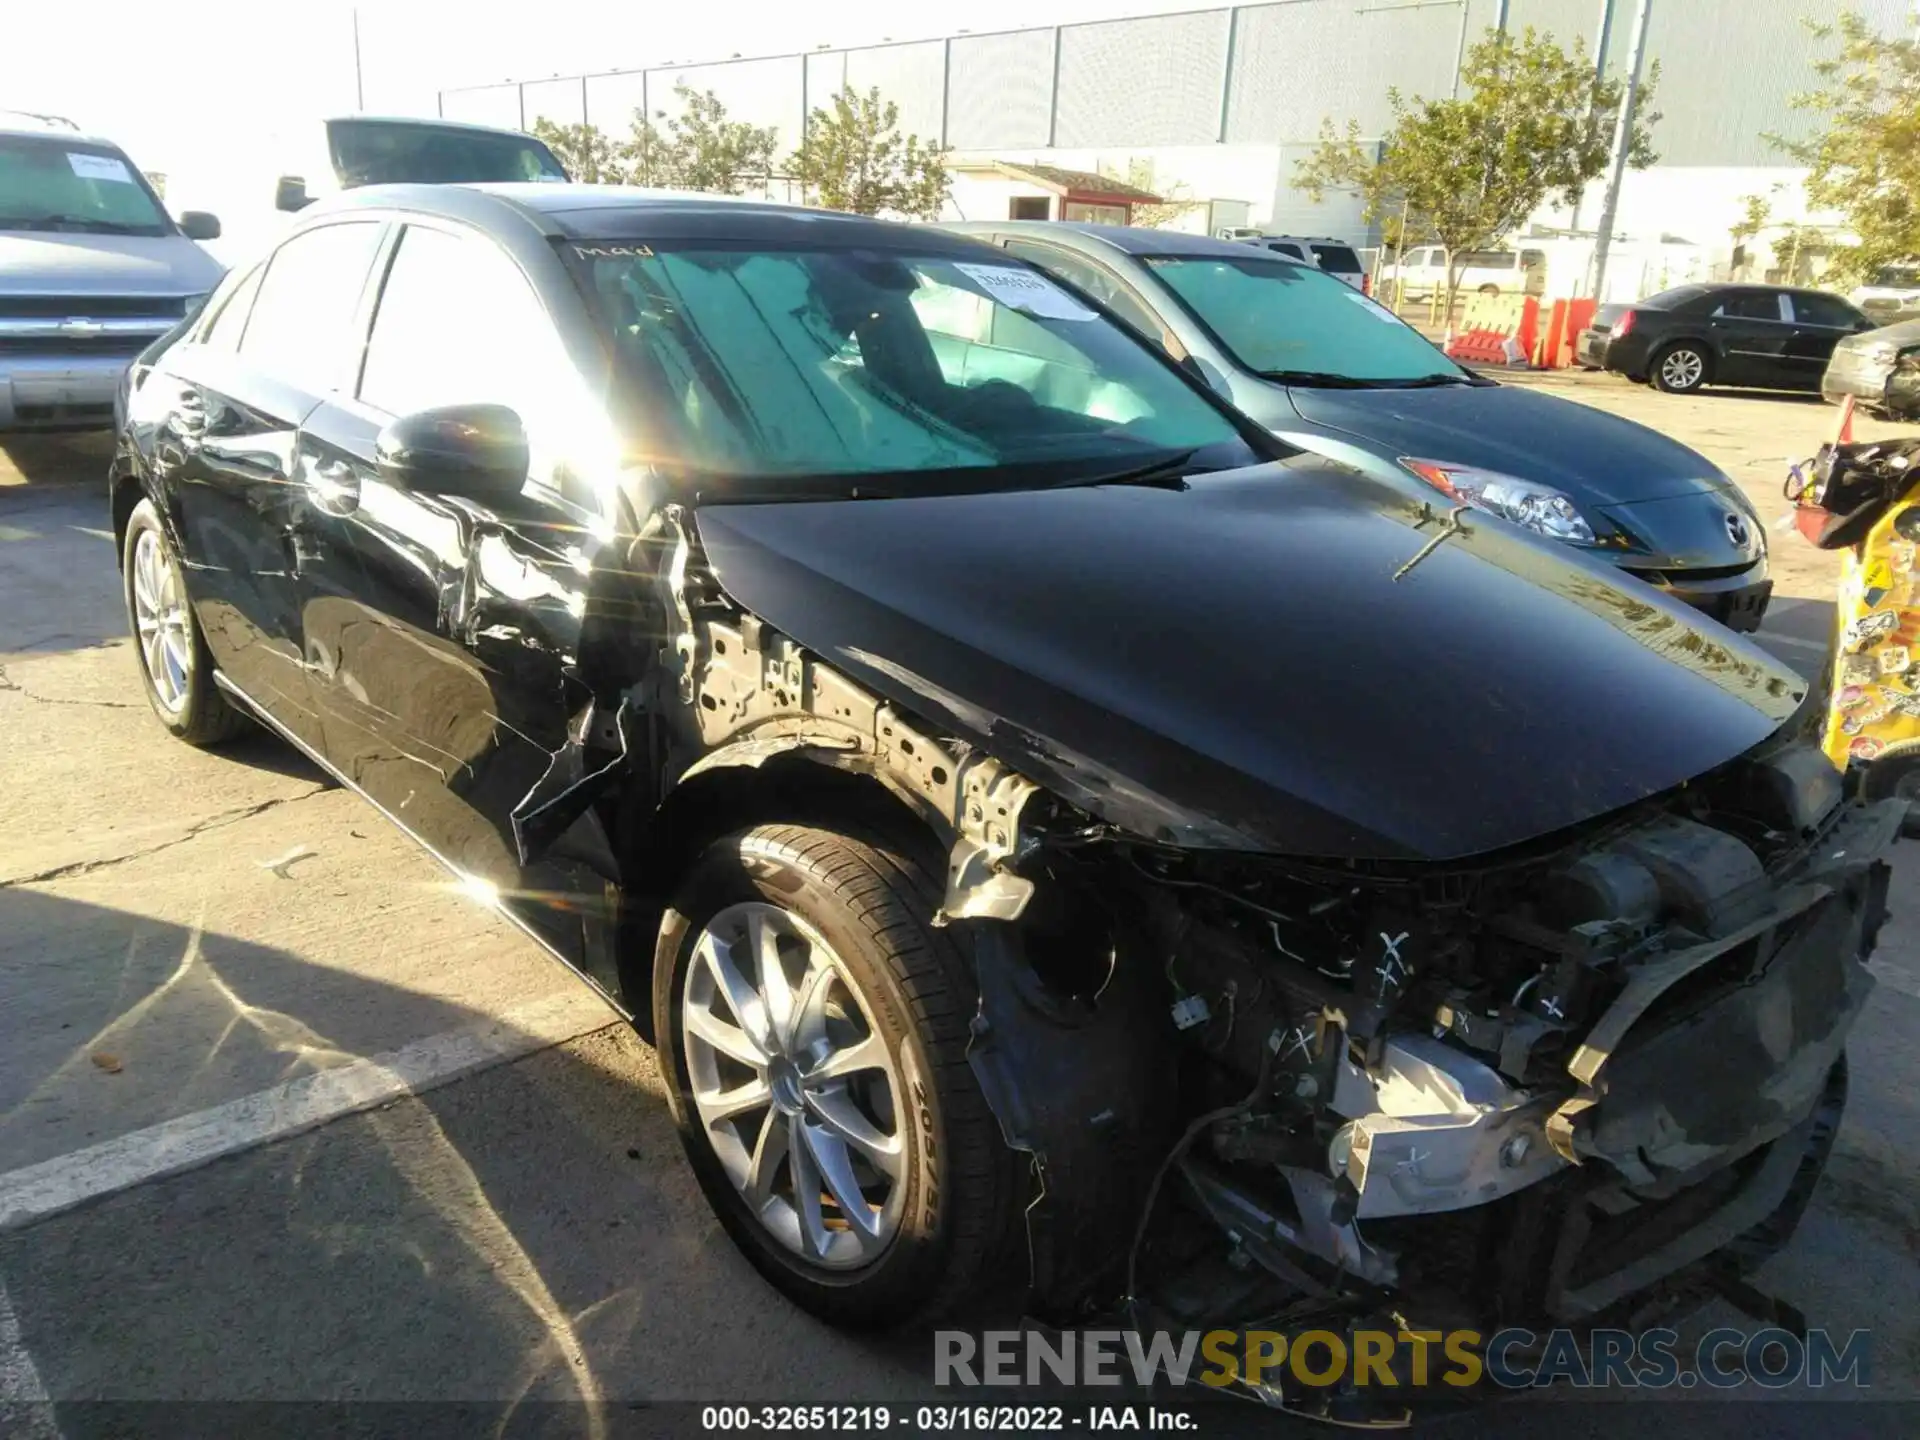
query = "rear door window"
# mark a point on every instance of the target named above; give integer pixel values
(1338, 258)
(1751, 305)
(304, 325)
(1488, 259)
(1287, 248)
(230, 320)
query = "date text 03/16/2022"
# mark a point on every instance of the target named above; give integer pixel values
(921, 1419)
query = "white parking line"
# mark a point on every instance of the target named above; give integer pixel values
(24, 1411)
(36, 1191)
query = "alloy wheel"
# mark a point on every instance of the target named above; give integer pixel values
(160, 618)
(1682, 369)
(794, 1087)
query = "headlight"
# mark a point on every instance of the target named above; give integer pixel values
(1539, 508)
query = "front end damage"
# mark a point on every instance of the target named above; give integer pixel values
(1577, 1080)
(1582, 1085)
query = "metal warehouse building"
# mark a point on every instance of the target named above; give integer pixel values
(1218, 105)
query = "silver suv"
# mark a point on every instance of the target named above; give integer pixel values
(92, 271)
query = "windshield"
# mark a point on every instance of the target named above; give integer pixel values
(1282, 320)
(1898, 277)
(376, 152)
(53, 183)
(789, 365)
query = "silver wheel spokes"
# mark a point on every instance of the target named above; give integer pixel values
(1682, 368)
(160, 620)
(794, 1088)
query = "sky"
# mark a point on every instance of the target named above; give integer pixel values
(186, 84)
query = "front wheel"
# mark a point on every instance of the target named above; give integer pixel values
(175, 667)
(813, 1035)
(1680, 369)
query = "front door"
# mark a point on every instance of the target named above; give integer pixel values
(441, 631)
(1820, 322)
(1750, 331)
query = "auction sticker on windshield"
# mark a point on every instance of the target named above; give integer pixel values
(1024, 290)
(1377, 311)
(99, 167)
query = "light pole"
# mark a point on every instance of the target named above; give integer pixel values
(359, 89)
(1622, 143)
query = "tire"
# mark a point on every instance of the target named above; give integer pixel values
(848, 915)
(1681, 369)
(176, 672)
(1489, 289)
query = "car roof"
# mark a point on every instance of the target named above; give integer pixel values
(1127, 239)
(27, 122)
(616, 212)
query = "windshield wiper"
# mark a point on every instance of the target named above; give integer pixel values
(1428, 382)
(1168, 472)
(74, 222)
(1324, 379)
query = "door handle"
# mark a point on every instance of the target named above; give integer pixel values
(334, 486)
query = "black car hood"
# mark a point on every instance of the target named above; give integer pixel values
(1593, 456)
(1248, 664)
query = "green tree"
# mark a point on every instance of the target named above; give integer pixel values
(1533, 124)
(855, 158)
(1865, 164)
(699, 148)
(588, 153)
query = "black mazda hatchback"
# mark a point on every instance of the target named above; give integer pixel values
(1019, 800)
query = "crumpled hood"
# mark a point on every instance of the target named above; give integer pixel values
(1595, 457)
(33, 263)
(1248, 664)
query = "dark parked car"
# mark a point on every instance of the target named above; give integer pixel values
(1879, 368)
(1765, 337)
(1330, 371)
(978, 758)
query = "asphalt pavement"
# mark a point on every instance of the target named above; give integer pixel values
(284, 1116)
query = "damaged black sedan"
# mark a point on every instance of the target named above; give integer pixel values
(1044, 826)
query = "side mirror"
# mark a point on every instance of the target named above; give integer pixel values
(291, 194)
(199, 225)
(478, 452)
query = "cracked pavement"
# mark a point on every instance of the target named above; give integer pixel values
(180, 930)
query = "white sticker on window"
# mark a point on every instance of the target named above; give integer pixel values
(1378, 312)
(1024, 290)
(99, 167)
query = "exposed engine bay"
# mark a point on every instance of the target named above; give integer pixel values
(1543, 1092)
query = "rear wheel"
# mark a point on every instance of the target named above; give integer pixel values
(813, 1034)
(1489, 289)
(175, 668)
(1680, 369)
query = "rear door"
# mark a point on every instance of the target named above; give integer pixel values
(1820, 322)
(278, 346)
(1750, 330)
(445, 630)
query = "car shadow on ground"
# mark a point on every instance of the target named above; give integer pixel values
(528, 1237)
(55, 458)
